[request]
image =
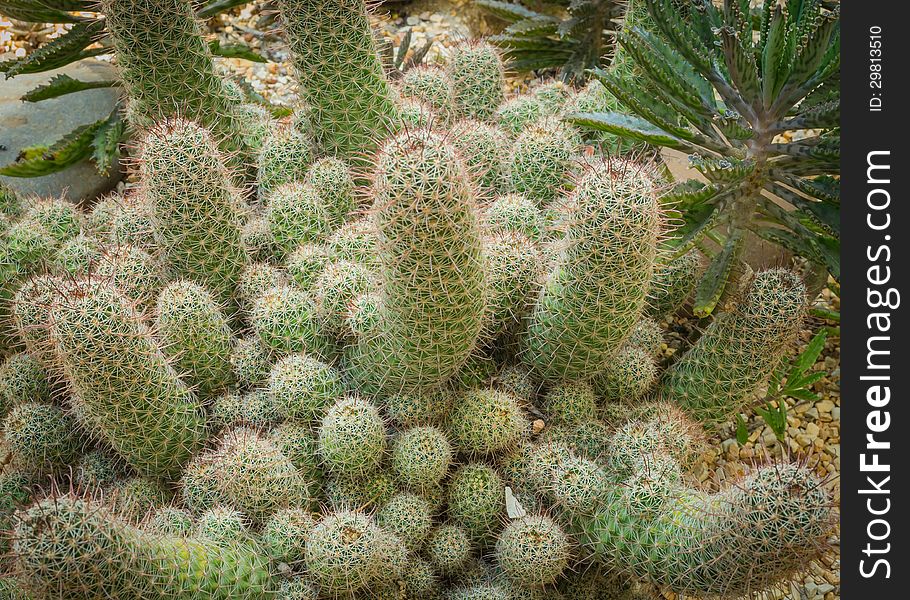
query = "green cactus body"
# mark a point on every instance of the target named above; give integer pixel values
(250, 362)
(22, 379)
(249, 472)
(629, 376)
(352, 437)
(449, 548)
(570, 403)
(255, 280)
(483, 148)
(60, 218)
(296, 215)
(340, 74)
(134, 272)
(421, 408)
(598, 288)
(367, 492)
(476, 500)
(514, 212)
(429, 240)
(429, 84)
(258, 241)
(78, 255)
(717, 377)
(695, 543)
(283, 158)
(284, 535)
(344, 553)
(306, 263)
(78, 549)
(514, 270)
(332, 180)
(486, 421)
(195, 333)
(134, 224)
(421, 457)
(128, 387)
(304, 388)
(151, 33)
(285, 320)
(336, 288)
(672, 284)
(533, 551)
(477, 79)
(518, 113)
(199, 214)
(542, 160)
(40, 436)
(408, 516)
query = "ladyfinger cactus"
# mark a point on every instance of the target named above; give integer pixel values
(477, 78)
(198, 212)
(429, 240)
(718, 376)
(134, 396)
(149, 33)
(78, 549)
(597, 290)
(196, 335)
(341, 77)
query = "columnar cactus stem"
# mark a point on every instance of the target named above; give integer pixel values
(198, 212)
(124, 381)
(433, 277)
(167, 68)
(72, 549)
(595, 294)
(340, 73)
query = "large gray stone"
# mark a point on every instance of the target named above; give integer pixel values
(24, 124)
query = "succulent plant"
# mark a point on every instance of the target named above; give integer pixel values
(732, 93)
(569, 36)
(341, 76)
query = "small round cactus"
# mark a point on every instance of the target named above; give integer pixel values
(305, 264)
(514, 271)
(295, 214)
(429, 84)
(477, 499)
(483, 148)
(255, 280)
(258, 240)
(304, 388)
(477, 79)
(646, 335)
(256, 408)
(195, 335)
(449, 548)
(486, 421)
(283, 158)
(517, 114)
(298, 443)
(97, 469)
(331, 178)
(517, 380)
(133, 271)
(408, 516)
(352, 437)
(22, 379)
(285, 320)
(533, 551)
(570, 403)
(344, 552)
(222, 525)
(629, 376)
(171, 521)
(250, 362)
(542, 160)
(336, 288)
(78, 255)
(672, 284)
(60, 218)
(368, 492)
(421, 456)
(285, 533)
(40, 436)
(515, 212)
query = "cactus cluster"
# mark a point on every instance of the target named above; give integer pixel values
(413, 364)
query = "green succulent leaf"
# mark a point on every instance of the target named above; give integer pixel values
(45, 11)
(235, 51)
(66, 49)
(210, 9)
(629, 127)
(63, 84)
(711, 287)
(67, 151)
(106, 143)
(824, 214)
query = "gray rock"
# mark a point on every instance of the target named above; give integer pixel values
(24, 124)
